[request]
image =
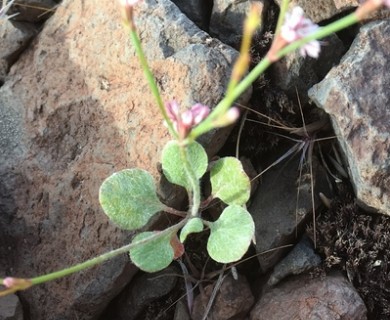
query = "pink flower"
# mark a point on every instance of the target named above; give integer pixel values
(128, 3)
(387, 3)
(297, 27)
(183, 122)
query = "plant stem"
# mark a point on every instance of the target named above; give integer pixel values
(195, 192)
(227, 102)
(282, 14)
(108, 255)
(149, 76)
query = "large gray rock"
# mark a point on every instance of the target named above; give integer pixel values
(357, 97)
(279, 210)
(75, 109)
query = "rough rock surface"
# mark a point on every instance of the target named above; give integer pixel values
(76, 108)
(10, 308)
(331, 298)
(278, 213)
(227, 19)
(323, 9)
(357, 97)
(232, 301)
(14, 37)
(198, 11)
(140, 293)
(296, 73)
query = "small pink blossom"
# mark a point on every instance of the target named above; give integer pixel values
(297, 27)
(387, 3)
(184, 121)
(228, 118)
(128, 3)
(9, 282)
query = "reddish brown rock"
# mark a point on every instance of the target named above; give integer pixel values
(76, 108)
(233, 300)
(331, 297)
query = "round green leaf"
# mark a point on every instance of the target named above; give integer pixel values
(154, 255)
(194, 225)
(129, 199)
(229, 181)
(230, 235)
(173, 165)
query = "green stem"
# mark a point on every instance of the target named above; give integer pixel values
(97, 260)
(150, 78)
(282, 14)
(195, 192)
(222, 107)
(227, 102)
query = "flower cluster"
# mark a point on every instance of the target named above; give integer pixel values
(296, 27)
(183, 122)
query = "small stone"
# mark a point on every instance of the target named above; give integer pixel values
(10, 308)
(232, 301)
(227, 19)
(300, 259)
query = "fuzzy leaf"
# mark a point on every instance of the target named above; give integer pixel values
(194, 225)
(129, 199)
(229, 181)
(154, 255)
(230, 235)
(173, 166)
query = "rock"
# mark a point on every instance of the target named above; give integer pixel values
(296, 73)
(300, 259)
(232, 301)
(302, 297)
(321, 10)
(10, 308)
(141, 293)
(77, 109)
(14, 37)
(356, 95)
(276, 211)
(227, 19)
(198, 11)
(181, 312)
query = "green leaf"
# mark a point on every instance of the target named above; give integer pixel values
(194, 225)
(154, 255)
(230, 235)
(129, 199)
(173, 164)
(229, 181)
